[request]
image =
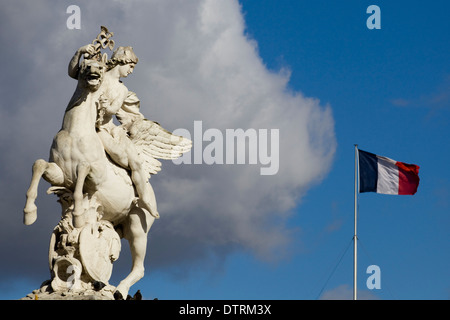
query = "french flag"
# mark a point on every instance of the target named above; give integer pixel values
(383, 175)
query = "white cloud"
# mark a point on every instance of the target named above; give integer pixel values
(195, 63)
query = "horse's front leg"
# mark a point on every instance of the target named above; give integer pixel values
(53, 174)
(83, 170)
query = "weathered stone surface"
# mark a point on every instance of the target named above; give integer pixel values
(100, 171)
(97, 291)
(70, 296)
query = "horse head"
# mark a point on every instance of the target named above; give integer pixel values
(91, 73)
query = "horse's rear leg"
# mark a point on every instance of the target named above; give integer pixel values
(53, 174)
(135, 231)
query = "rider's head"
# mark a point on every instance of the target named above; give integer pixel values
(122, 56)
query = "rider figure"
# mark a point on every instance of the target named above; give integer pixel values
(117, 100)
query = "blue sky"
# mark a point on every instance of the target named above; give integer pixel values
(361, 73)
(388, 91)
(366, 75)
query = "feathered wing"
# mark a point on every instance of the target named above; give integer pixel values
(154, 142)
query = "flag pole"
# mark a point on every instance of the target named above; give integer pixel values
(355, 238)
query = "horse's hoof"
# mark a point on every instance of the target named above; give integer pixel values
(29, 214)
(98, 285)
(118, 295)
(121, 292)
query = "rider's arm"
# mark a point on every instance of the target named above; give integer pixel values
(73, 64)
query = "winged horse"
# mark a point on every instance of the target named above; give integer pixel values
(79, 163)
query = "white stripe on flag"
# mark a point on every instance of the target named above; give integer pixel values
(387, 176)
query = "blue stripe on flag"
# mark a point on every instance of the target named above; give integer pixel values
(368, 171)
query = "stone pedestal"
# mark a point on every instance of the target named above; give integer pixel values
(104, 293)
(99, 291)
(68, 296)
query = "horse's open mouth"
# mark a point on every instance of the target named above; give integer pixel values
(93, 79)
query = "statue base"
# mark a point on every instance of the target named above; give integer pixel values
(47, 293)
(100, 291)
(81, 254)
(67, 296)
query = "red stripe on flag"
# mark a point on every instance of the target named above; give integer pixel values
(408, 178)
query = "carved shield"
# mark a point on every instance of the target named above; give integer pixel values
(99, 247)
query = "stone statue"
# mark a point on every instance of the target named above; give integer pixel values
(100, 172)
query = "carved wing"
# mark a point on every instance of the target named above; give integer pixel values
(154, 142)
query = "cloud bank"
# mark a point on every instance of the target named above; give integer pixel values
(195, 64)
